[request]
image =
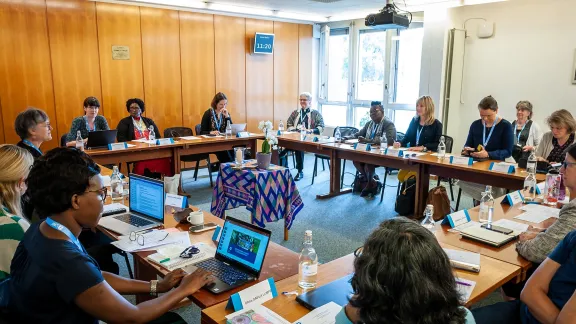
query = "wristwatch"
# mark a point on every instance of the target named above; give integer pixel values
(153, 286)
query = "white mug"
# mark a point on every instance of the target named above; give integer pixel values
(196, 218)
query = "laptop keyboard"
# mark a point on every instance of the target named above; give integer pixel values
(133, 220)
(222, 271)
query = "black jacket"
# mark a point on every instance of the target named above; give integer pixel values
(32, 150)
(125, 129)
(429, 138)
(209, 125)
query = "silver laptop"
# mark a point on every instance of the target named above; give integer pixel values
(146, 207)
(237, 128)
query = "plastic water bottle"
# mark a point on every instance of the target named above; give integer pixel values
(486, 206)
(302, 132)
(561, 189)
(337, 134)
(281, 127)
(551, 191)
(79, 142)
(441, 149)
(228, 130)
(383, 143)
(531, 163)
(530, 187)
(428, 221)
(116, 185)
(308, 264)
(151, 135)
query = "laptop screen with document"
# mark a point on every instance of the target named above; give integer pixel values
(147, 197)
(243, 245)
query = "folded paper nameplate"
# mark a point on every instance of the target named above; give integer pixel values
(394, 152)
(117, 146)
(254, 295)
(513, 198)
(164, 141)
(362, 147)
(463, 160)
(176, 201)
(502, 167)
(458, 218)
(243, 134)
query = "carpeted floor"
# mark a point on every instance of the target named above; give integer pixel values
(339, 225)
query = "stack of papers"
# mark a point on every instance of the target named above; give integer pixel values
(169, 258)
(255, 315)
(537, 213)
(152, 240)
(515, 226)
(459, 228)
(464, 260)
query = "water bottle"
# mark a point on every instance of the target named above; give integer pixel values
(383, 143)
(441, 149)
(486, 206)
(151, 135)
(561, 189)
(552, 188)
(116, 184)
(428, 221)
(530, 187)
(280, 127)
(228, 130)
(302, 132)
(79, 142)
(308, 264)
(337, 134)
(531, 164)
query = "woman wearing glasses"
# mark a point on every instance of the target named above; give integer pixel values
(425, 130)
(90, 122)
(33, 127)
(53, 279)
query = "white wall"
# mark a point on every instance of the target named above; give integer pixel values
(530, 58)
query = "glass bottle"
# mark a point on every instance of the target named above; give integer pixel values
(228, 130)
(308, 264)
(428, 221)
(486, 206)
(116, 185)
(151, 135)
(441, 149)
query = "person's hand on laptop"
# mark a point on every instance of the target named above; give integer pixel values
(170, 280)
(193, 282)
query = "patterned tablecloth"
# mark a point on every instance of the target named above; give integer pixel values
(270, 194)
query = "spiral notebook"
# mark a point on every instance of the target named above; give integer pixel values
(169, 258)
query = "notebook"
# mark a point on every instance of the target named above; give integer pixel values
(464, 260)
(170, 258)
(489, 237)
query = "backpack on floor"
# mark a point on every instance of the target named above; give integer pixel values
(407, 197)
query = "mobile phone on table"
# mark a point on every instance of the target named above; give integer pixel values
(202, 228)
(498, 229)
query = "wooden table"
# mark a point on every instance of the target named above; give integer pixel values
(493, 274)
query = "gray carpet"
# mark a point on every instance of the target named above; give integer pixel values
(339, 225)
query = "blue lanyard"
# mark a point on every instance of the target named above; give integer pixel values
(217, 122)
(374, 129)
(516, 129)
(484, 139)
(59, 227)
(418, 133)
(88, 126)
(27, 142)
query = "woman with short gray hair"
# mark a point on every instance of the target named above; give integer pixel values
(527, 133)
(33, 127)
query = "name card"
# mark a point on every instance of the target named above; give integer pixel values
(243, 134)
(117, 146)
(252, 296)
(458, 218)
(362, 147)
(502, 167)
(462, 160)
(164, 141)
(176, 201)
(513, 198)
(217, 234)
(394, 152)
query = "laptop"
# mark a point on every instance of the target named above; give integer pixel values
(99, 139)
(237, 128)
(239, 256)
(146, 207)
(338, 291)
(492, 238)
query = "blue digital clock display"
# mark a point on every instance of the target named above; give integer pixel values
(263, 43)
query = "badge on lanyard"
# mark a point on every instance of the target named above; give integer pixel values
(484, 139)
(88, 125)
(418, 133)
(217, 122)
(27, 142)
(59, 227)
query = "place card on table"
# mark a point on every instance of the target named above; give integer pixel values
(164, 141)
(458, 218)
(502, 167)
(513, 198)
(253, 296)
(462, 160)
(176, 201)
(243, 134)
(390, 151)
(117, 146)
(362, 147)
(189, 138)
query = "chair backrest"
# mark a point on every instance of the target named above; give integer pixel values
(400, 136)
(63, 140)
(198, 129)
(177, 132)
(347, 130)
(449, 141)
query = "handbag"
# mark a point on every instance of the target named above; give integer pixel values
(438, 197)
(405, 200)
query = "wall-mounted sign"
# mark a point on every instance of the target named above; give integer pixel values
(120, 52)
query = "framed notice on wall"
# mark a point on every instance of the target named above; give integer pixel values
(120, 52)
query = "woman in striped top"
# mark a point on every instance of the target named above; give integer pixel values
(15, 163)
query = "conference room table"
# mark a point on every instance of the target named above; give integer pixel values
(492, 275)
(279, 263)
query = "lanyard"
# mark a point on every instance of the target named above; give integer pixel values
(418, 133)
(516, 129)
(217, 122)
(27, 142)
(88, 126)
(302, 115)
(59, 227)
(374, 129)
(484, 139)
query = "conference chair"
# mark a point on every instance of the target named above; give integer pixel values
(449, 141)
(186, 131)
(344, 131)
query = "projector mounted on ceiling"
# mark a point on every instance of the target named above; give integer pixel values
(388, 18)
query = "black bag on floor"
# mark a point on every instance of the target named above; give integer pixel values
(406, 198)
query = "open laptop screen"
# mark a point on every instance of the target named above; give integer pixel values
(147, 197)
(243, 245)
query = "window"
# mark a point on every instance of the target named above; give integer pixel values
(362, 116)
(406, 76)
(402, 119)
(334, 115)
(338, 62)
(371, 71)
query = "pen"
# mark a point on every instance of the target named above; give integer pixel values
(286, 293)
(165, 260)
(463, 283)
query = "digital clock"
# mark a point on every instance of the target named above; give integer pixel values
(263, 43)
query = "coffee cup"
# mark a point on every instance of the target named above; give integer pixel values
(196, 218)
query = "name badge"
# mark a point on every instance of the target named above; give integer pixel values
(164, 141)
(117, 146)
(502, 167)
(458, 218)
(253, 296)
(362, 147)
(176, 201)
(243, 134)
(513, 198)
(462, 160)
(394, 152)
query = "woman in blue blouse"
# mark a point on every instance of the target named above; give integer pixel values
(90, 122)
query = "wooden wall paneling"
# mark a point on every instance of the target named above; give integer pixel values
(75, 59)
(259, 77)
(285, 70)
(25, 72)
(305, 58)
(197, 61)
(161, 61)
(121, 79)
(230, 63)
(2, 138)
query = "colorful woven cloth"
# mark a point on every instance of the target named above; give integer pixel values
(270, 195)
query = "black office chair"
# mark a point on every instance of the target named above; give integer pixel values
(388, 171)
(344, 131)
(449, 141)
(63, 140)
(187, 131)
